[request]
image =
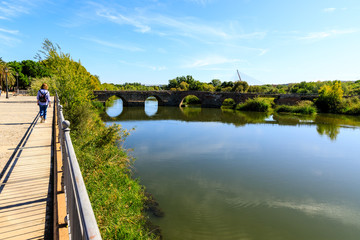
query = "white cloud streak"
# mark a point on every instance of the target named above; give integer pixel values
(143, 65)
(326, 34)
(14, 8)
(211, 60)
(166, 26)
(114, 45)
(6, 36)
(9, 31)
(123, 20)
(201, 2)
(329, 9)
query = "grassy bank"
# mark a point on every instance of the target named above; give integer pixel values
(116, 197)
(327, 104)
(302, 107)
(256, 105)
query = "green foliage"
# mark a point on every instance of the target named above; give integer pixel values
(228, 103)
(191, 100)
(330, 97)
(9, 75)
(350, 106)
(255, 89)
(37, 82)
(28, 70)
(303, 107)
(182, 83)
(256, 105)
(240, 86)
(117, 199)
(127, 87)
(216, 82)
(306, 87)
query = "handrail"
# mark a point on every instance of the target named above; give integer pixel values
(80, 216)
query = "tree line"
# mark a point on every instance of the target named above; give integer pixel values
(188, 83)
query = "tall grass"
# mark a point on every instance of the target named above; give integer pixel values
(350, 106)
(255, 105)
(303, 107)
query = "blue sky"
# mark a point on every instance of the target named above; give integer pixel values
(152, 41)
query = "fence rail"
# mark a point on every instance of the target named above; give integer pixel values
(80, 216)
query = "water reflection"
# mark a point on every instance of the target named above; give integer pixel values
(151, 106)
(326, 124)
(223, 174)
(114, 107)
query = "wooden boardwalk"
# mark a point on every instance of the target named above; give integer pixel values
(25, 175)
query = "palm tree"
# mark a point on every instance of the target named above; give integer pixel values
(10, 74)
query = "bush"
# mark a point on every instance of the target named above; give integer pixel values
(37, 82)
(330, 97)
(228, 103)
(191, 100)
(350, 106)
(256, 105)
(303, 107)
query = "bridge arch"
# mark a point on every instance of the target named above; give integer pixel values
(159, 99)
(190, 99)
(228, 103)
(151, 106)
(114, 106)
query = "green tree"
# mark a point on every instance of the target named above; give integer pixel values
(216, 82)
(330, 97)
(184, 86)
(240, 86)
(9, 75)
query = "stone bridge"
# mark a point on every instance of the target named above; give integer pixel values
(207, 99)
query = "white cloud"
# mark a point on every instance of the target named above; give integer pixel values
(14, 8)
(114, 45)
(9, 41)
(122, 19)
(211, 60)
(329, 9)
(9, 31)
(7, 38)
(263, 52)
(331, 33)
(201, 2)
(168, 26)
(144, 65)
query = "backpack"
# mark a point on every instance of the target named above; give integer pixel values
(42, 97)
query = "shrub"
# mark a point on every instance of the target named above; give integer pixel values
(330, 97)
(303, 107)
(350, 106)
(191, 100)
(228, 103)
(256, 105)
(37, 82)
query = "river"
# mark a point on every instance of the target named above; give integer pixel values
(234, 175)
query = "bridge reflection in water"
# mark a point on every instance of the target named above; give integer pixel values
(326, 124)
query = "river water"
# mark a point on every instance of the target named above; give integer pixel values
(234, 175)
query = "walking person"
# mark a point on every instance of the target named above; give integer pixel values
(43, 100)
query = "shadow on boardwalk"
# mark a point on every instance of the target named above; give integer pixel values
(25, 183)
